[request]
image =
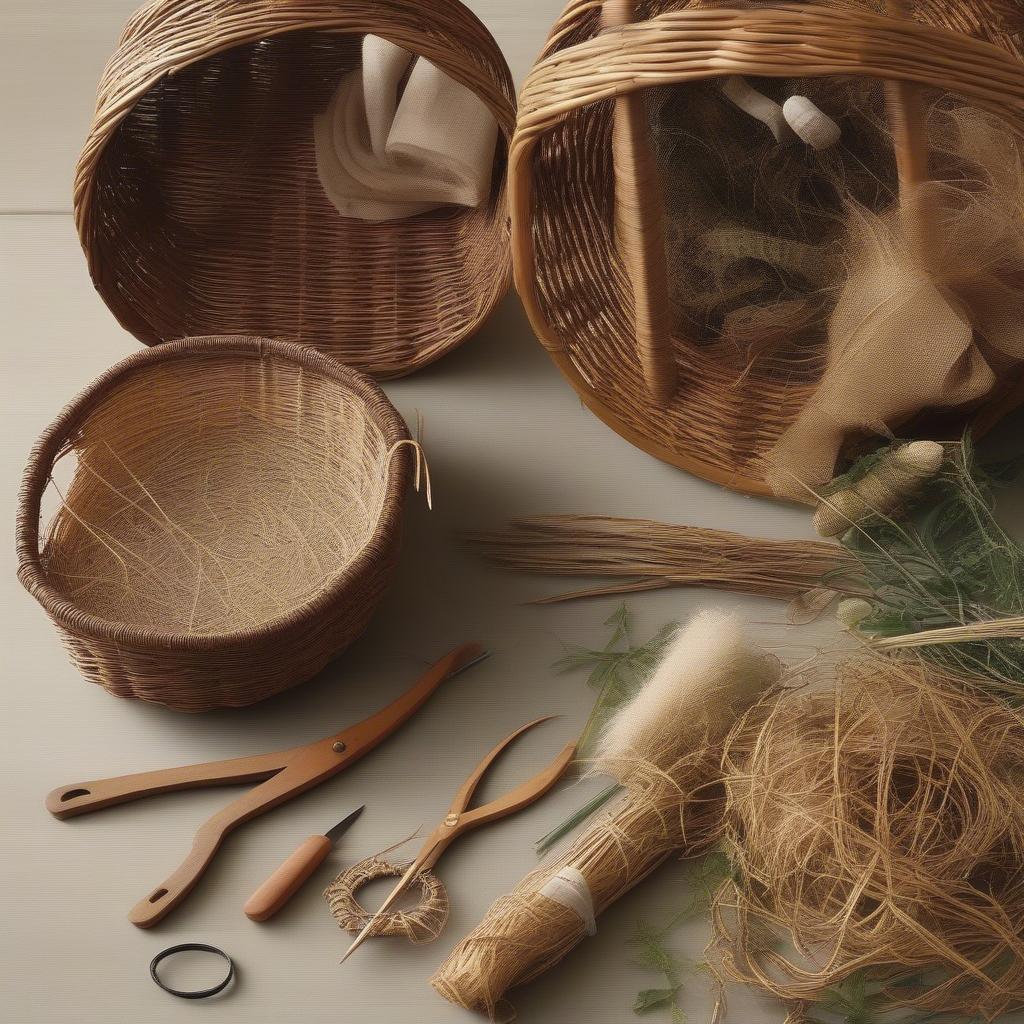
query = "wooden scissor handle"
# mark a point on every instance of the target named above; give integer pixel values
(83, 797)
(459, 820)
(521, 796)
(300, 775)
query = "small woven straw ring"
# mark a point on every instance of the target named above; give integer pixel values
(232, 521)
(421, 923)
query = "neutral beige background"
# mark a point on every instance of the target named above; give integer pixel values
(505, 436)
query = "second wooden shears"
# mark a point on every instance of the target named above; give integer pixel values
(458, 821)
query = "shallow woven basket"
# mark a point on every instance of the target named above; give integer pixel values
(587, 256)
(197, 199)
(227, 518)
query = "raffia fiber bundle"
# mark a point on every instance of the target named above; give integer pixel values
(231, 521)
(640, 554)
(663, 748)
(878, 828)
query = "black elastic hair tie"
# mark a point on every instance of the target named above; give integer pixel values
(186, 947)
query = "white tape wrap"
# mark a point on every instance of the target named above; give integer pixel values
(570, 889)
(811, 123)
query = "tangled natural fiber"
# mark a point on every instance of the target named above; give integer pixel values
(664, 749)
(880, 829)
(421, 923)
(231, 519)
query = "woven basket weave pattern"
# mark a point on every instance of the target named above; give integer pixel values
(573, 280)
(197, 199)
(231, 524)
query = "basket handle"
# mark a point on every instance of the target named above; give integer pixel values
(640, 227)
(906, 113)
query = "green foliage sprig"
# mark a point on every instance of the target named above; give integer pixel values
(652, 941)
(617, 672)
(948, 563)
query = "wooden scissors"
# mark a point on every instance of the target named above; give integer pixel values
(458, 821)
(287, 773)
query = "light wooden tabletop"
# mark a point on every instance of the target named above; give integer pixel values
(505, 436)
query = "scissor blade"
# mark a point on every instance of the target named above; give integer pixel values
(403, 884)
(343, 826)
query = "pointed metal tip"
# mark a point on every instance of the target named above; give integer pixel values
(482, 656)
(343, 826)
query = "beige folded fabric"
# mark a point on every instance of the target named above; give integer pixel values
(909, 335)
(384, 152)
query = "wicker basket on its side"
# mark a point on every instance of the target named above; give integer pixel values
(227, 518)
(198, 203)
(588, 253)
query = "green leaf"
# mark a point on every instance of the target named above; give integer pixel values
(652, 998)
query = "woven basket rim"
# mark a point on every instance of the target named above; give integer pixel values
(116, 107)
(68, 616)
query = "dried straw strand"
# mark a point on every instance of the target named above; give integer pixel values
(1011, 627)
(647, 555)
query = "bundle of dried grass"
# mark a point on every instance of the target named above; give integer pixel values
(663, 748)
(879, 831)
(647, 555)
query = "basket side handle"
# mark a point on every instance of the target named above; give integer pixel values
(905, 107)
(640, 227)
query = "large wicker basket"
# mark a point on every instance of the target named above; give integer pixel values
(227, 517)
(197, 199)
(588, 257)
